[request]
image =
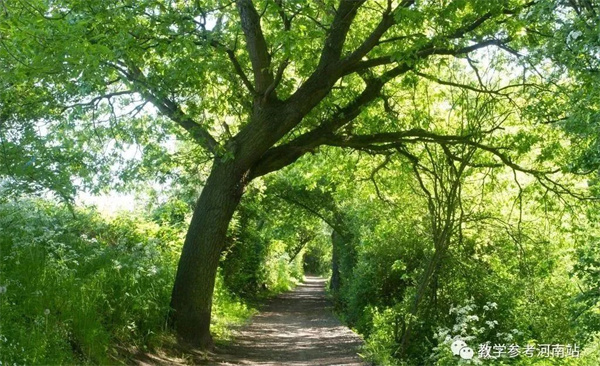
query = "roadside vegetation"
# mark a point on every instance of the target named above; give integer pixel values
(77, 287)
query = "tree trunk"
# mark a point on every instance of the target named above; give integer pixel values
(336, 241)
(191, 300)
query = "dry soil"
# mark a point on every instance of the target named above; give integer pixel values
(296, 328)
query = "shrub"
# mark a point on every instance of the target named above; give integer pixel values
(76, 289)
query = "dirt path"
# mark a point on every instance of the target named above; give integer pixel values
(296, 328)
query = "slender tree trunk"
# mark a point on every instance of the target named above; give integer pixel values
(191, 299)
(430, 271)
(336, 241)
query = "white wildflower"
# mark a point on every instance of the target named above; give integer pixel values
(574, 35)
(117, 265)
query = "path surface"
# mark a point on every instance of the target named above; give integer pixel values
(296, 328)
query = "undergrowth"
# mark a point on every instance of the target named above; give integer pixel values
(76, 288)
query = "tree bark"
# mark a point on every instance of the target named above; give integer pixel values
(191, 300)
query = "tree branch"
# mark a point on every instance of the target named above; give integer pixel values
(334, 43)
(277, 80)
(97, 99)
(472, 88)
(256, 45)
(204, 38)
(317, 86)
(167, 107)
(283, 155)
(387, 21)
(428, 50)
(287, 20)
(354, 64)
(393, 140)
(240, 71)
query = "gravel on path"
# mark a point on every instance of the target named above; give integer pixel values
(295, 328)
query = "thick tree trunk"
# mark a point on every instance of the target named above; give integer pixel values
(191, 300)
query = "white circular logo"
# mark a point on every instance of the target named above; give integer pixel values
(466, 353)
(456, 346)
(460, 348)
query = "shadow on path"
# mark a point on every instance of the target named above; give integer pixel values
(296, 328)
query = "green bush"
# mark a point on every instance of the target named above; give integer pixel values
(76, 289)
(279, 272)
(75, 286)
(228, 309)
(317, 257)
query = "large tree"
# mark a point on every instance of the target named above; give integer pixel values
(256, 84)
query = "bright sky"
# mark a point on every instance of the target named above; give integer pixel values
(108, 204)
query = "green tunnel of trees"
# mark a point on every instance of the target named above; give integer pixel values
(437, 161)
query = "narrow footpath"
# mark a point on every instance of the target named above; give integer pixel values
(296, 328)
